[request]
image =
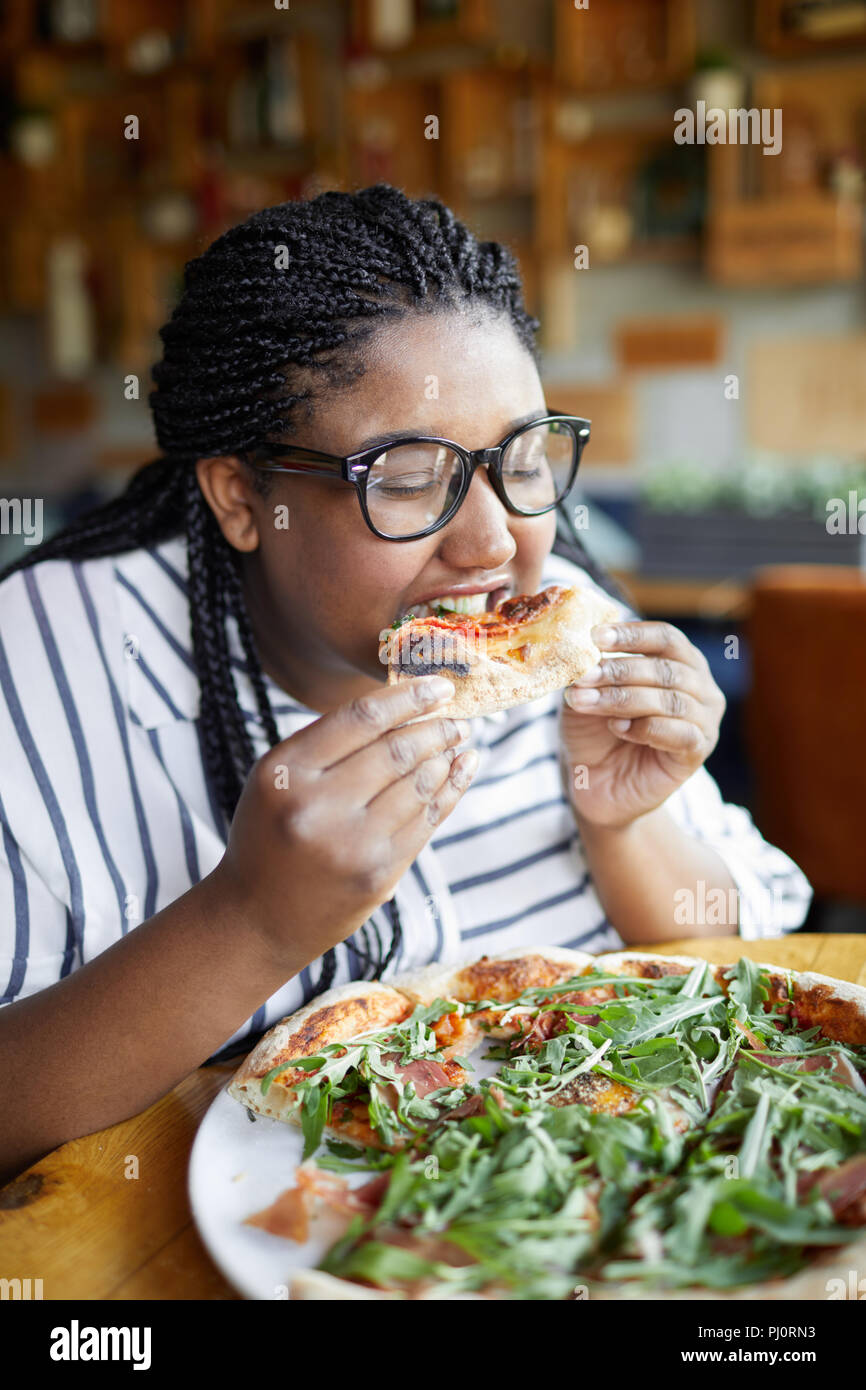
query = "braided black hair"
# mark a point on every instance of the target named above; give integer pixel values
(302, 285)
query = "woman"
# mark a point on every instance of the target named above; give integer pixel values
(213, 806)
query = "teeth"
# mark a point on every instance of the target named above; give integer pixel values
(466, 603)
(469, 604)
(455, 603)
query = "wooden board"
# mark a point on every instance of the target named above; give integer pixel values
(386, 141)
(64, 409)
(792, 239)
(488, 133)
(610, 406)
(611, 44)
(807, 395)
(842, 956)
(682, 340)
(77, 1222)
(833, 93)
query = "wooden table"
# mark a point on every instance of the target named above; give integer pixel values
(75, 1221)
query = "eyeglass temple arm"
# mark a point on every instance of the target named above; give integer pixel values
(302, 461)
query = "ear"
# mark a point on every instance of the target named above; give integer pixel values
(229, 493)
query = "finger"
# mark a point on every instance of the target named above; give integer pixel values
(411, 839)
(361, 721)
(644, 670)
(403, 800)
(398, 754)
(653, 639)
(667, 735)
(635, 702)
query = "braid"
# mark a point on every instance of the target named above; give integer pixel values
(228, 747)
(303, 285)
(234, 591)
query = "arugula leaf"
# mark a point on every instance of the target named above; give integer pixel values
(315, 1113)
(748, 987)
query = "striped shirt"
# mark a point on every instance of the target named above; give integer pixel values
(106, 816)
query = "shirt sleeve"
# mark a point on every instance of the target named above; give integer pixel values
(37, 943)
(773, 893)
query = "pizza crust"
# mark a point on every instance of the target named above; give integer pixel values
(339, 1015)
(499, 977)
(839, 1008)
(450, 981)
(619, 963)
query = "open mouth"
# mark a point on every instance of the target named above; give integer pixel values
(469, 605)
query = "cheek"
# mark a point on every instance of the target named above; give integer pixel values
(534, 542)
(353, 580)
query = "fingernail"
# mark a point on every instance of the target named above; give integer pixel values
(435, 688)
(619, 726)
(578, 697)
(593, 674)
(602, 635)
(467, 769)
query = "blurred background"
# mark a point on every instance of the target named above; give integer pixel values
(702, 303)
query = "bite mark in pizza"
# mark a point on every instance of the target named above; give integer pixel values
(524, 648)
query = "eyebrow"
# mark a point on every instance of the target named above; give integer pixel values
(398, 436)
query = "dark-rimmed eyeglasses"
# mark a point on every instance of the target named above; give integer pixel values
(412, 487)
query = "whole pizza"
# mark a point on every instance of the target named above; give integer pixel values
(648, 1126)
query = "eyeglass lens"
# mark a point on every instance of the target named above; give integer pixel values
(412, 485)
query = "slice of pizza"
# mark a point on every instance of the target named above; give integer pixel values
(344, 1064)
(340, 1014)
(524, 648)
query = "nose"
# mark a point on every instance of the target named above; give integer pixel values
(478, 537)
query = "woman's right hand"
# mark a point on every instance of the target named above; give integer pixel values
(331, 818)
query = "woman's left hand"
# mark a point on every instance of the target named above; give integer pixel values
(637, 726)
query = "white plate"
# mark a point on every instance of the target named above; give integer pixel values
(238, 1167)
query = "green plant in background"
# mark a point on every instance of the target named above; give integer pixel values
(714, 58)
(757, 487)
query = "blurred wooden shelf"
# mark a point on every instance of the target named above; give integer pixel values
(845, 28)
(800, 239)
(523, 150)
(685, 598)
(623, 43)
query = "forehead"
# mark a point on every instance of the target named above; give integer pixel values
(462, 375)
